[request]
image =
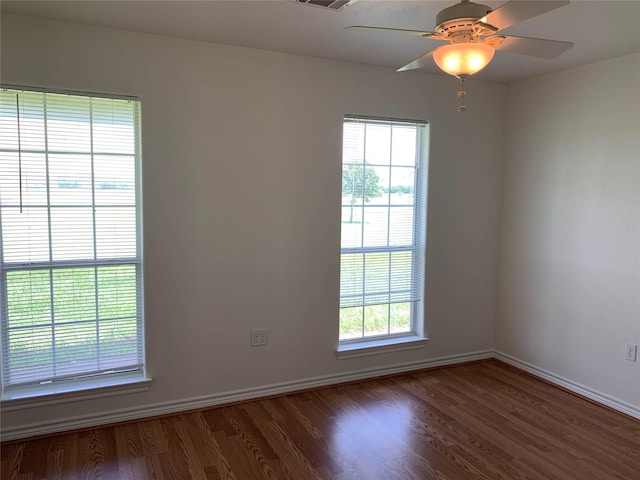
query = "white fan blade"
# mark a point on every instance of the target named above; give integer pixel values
(534, 47)
(418, 33)
(517, 11)
(418, 62)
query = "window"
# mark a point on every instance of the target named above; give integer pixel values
(70, 250)
(383, 239)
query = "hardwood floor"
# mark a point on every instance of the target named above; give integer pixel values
(477, 421)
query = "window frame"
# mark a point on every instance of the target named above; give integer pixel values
(415, 337)
(110, 381)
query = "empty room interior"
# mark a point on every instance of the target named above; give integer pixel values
(215, 215)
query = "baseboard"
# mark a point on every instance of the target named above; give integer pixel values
(584, 391)
(165, 408)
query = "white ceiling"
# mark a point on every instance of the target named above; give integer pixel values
(599, 29)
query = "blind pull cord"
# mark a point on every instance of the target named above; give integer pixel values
(19, 151)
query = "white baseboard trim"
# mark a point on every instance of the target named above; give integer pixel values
(164, 408)
(582, 390)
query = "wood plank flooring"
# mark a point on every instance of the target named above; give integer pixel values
(485, 421)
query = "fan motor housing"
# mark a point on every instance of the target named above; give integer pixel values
(460, 16)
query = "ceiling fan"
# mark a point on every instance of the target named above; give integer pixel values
(473, 33)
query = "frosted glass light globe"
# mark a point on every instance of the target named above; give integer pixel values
(461, 59)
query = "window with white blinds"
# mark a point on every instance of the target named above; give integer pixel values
(382, 239)
(70, 250)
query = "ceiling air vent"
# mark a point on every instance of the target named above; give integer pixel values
(332, 4)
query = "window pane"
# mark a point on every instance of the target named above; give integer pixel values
(376, 277)
(378, 144)
(25, 236)
(401, 277)
(76, 348)
(402, 186)
(28, 298)
(117, 291)
(34, 180)
(70, 179)
(68, 123)
(351, 322)
(404, 146)
(113, 126)
(31, 115)
(351, 279)
(401, 226)
(72, 233)
(353, 143)
(376, 226)
(351, 227)
(115, 180)
(400, 317)
(118, 342)
(361, 184)
(376, 320)
(30, 353)
(115, 232)
(74, 294)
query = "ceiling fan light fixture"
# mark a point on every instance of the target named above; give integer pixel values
(462, 59)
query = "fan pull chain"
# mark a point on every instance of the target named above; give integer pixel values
(461, 95)
(19, 150)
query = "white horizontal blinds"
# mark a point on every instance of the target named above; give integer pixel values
(71, 285)
(382, 248)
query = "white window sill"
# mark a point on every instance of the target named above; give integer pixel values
(65, 392)
(374, 347)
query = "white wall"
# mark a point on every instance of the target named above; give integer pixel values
(241, 174)
(569, 290)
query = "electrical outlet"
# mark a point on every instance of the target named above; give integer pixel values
(630, 352)
(258, 337)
